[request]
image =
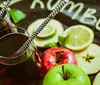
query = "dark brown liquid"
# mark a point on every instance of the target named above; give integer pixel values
(23, 73)
(11, 43)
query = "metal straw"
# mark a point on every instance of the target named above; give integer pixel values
(4, 9)
(39, 29)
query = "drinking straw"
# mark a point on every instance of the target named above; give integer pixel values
(55, 11)
(4, 9)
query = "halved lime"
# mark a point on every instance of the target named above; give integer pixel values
(47, 32)
(79, 37)
(54, 28)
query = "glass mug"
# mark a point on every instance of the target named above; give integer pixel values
(20, 69)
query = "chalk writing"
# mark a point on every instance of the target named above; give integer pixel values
(39, 2)
(52, 7)
(88, 17)
(98, 25)
(80, 6)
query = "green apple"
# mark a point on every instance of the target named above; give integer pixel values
(97, 79)
(66, 74)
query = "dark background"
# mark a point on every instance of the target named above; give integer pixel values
(33, 14)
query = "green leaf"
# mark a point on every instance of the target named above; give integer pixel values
(62, 40)
(49, 45)
(17, 15)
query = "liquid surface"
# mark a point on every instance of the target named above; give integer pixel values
(11, 43)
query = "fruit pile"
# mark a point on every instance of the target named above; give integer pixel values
(70, 56)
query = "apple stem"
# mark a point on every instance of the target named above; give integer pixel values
(64, 74)
(58, 56)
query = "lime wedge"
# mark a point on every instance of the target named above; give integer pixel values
(47, 32)
(79, 37)
(17, 15)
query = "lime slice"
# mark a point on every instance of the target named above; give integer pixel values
(79, 37)
(41, 42)
(47, 32)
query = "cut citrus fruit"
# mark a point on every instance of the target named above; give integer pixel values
(55, 31)
(79, 37)
(47, 32)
